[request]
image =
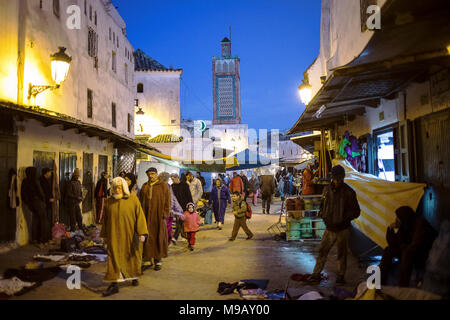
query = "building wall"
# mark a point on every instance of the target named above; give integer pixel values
(341, 38)
(33, 136)
(160, 102)
(9, 19)
(39, 35)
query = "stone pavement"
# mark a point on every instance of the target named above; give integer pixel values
(195, 275)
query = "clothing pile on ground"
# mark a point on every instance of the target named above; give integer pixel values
(17, 282)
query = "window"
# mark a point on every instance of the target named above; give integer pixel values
(92, 43)
(136, 102)
(126, 73)
(113, 115)
(90, 13)
(140, 88)
(90, 95)
(114, 37)
(95, 18)
(40, 4)
(85, 7)
(129, 122)
(110, 34)
(117, 41)
(114, 61)
(56, 8)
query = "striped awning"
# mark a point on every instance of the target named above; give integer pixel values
(378, 200)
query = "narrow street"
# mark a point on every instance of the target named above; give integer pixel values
(195, 275)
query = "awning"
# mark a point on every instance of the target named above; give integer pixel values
(307, 141)
(396, 55)
(50, 118)
(247, 159)
(212, 165)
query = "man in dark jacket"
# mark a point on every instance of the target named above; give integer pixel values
(339, 207)
(74, 196)
(267, 185)
(410, 239)
(202, 180)
(101, 193)
(46, 184)
(33, 196)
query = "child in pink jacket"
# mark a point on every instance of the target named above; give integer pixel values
(191, 224)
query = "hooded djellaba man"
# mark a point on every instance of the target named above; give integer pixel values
(125, 230)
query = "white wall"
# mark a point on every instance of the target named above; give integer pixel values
(341, 39)
(43, 34)
(160, 102)
(32, 136)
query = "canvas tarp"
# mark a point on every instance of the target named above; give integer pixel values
(378, 200)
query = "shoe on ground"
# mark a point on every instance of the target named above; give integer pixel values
(250, 237)
(313, 279)
(264, 211)
(191, 248)
(157, 267)
(135, 283)
(340, 280)
(231, 239)
(112, 289)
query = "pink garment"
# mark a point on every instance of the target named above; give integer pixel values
(169, 222)
(191, 222)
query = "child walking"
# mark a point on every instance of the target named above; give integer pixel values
(191, 224)
(240, 219)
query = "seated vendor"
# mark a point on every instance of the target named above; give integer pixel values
(409, 239)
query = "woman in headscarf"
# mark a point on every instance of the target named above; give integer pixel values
(122, 220)
(219, 197)
(132, 183)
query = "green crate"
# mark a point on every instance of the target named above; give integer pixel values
(293, 235)
(319, 228)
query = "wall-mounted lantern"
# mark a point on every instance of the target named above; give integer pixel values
(305, 90)
(60, 63)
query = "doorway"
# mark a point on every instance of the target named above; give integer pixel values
(384, 154)
(88, 181)
(67, 165)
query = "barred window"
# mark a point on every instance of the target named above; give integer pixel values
(92, 43)
(140, 88)
(113, 115)
(90, 97)
(129, 122)
(114, 61)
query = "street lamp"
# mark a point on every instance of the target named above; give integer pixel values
(305, 90)
(60, 63)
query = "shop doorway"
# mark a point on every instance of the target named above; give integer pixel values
(384, 154)
(67, 165)
(88, 181)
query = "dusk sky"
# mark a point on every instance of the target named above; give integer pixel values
(276, 41)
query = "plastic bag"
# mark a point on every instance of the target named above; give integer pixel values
(58, 231)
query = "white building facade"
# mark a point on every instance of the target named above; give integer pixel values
(80, 124)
